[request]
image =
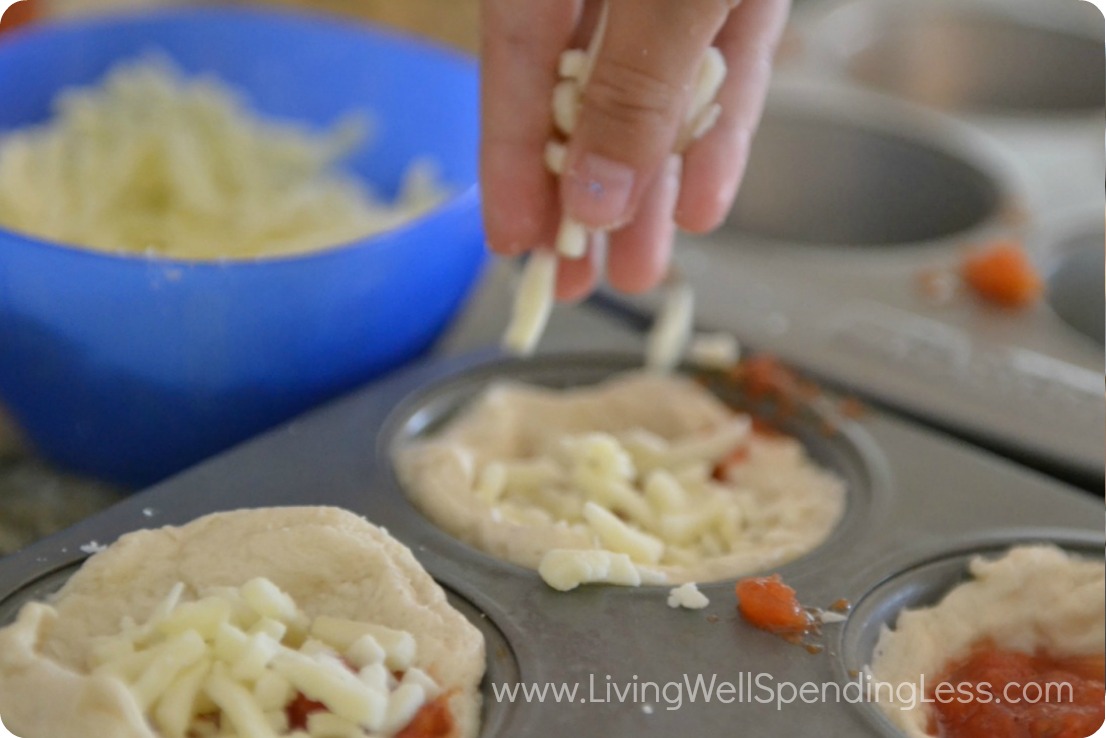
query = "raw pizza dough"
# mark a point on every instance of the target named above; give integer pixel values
(330, 561)
(789, 504)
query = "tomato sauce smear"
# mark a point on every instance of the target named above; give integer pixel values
(997, 693)
(300, 708)
(1001, 273)
(769, 604)
(761, 429)
(433, 720)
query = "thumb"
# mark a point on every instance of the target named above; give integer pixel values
(633, 103)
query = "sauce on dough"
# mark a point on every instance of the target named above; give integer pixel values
(1033, 697)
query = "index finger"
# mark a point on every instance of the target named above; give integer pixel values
(521, 43)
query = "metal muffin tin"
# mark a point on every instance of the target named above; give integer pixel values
(985, 56)
(1028, 75)
(854, 191)
(922, 583)
(912, 494)
(1075, 272)
(843, 170)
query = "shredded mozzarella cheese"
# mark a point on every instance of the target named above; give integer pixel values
(533, 303)
(688, 597)
(566, 569)
(239, 656)
(150, 162)
(645, 502)
(672, 329)
(714, 350)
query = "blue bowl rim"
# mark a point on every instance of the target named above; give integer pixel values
(456, 204)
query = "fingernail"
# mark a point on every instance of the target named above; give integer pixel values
(597, 192)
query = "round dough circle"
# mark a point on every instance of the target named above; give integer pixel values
(330, 561)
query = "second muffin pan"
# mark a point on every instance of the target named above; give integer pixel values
(898, 134)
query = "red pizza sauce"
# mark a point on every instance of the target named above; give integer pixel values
(769, 604)
(762, 429)
(764, 375)
(433, 720)
(300, 708)
(995, 693)
(1003, 274)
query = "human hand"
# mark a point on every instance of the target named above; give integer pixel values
(620, 175)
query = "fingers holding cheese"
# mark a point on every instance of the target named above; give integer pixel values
(521, 44)
(645, 59)
(715, 164)
(640, 253)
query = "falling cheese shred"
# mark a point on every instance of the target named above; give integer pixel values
(714, 351)
(232, 662)
(533, 303)
(673, 326)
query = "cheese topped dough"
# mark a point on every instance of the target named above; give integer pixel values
(330, 562)
(642, 466)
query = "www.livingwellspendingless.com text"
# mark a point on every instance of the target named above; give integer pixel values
(762, 688)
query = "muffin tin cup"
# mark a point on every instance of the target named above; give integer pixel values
(845, 451)
(1074, 271)
(835, 168)
(908, 489)
(1027, 75)
(922, 582)
(967, 56)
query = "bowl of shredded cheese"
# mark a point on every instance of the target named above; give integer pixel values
(212, 220)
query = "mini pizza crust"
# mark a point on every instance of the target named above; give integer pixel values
(1034, 597)
(795, 503)
(330, 561)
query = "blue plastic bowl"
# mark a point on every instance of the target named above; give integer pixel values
(130, 368)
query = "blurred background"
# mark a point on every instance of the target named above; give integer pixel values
(454, 22)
